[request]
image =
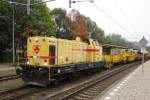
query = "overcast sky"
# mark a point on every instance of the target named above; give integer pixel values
(133, 15)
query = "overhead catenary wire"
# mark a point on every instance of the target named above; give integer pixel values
(42, 2)
(13, 2)
(25, 4)
(115, 21)
(28, 4)
(126, 18)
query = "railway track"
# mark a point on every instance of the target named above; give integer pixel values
(83, 91)
(19, 92)
(92, 88)
(9, 77)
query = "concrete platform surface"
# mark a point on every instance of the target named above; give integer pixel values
(135, 86)
(6, 69)
(6, 66)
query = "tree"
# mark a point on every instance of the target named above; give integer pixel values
(78, 25)
(62, 22)
(99, 35)
(39, 22)
(115, 39)
(5, 24)
(94, 31)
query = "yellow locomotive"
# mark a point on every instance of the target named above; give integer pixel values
(49, 58)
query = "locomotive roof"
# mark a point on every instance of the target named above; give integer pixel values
(114, 46)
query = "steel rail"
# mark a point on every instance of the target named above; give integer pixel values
(64, 95)
(9, 77)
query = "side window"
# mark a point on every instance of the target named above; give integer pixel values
(52, 54)
(106, 50)
(115, 52)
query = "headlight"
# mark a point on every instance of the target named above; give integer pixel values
(28, 62)
(45, 63)
(35, 39)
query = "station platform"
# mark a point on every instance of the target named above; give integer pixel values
(135, 86)
(7, 69)
(6, 66)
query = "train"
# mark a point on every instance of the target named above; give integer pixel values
(49, 59)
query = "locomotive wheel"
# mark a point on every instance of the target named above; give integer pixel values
(108, 65)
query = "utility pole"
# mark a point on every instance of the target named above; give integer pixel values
(69, 3)
(13, 22)
(143, 43)
(28, 7)
(75, 1)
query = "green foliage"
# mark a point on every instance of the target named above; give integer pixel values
(62, 22)
(94, 31)
(39, 22)
(115, 39)
(99, 35)
(5, 24)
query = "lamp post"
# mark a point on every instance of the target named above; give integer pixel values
(143, 43)
(13, 30)
(13, 22)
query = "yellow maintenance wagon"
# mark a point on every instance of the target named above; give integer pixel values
(113, 55)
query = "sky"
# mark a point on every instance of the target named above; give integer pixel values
(132, 15)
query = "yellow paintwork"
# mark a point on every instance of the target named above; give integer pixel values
(66, 51)
(112, 57)
(31, 44)
(123, 55)
(116, 55)
(119, 55)
(94, 51)
(108, 58)
(70, 52)
(131, 55)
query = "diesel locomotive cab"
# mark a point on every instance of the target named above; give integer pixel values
(40, 56)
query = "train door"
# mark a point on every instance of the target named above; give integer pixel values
(52, 49)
